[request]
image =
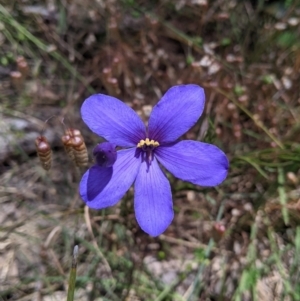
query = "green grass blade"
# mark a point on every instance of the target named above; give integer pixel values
(72, 279)
(282, 196)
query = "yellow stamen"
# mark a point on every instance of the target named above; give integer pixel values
(147, 142)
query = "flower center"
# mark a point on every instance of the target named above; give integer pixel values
(147, 144)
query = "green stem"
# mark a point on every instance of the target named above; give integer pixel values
(72, 279)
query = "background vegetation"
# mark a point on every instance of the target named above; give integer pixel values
(238, 241)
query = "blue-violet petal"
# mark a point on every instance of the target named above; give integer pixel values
(153, 199)
(105, 154)
(111, 119)
(177, 111)
(102, 187)
(196, 162)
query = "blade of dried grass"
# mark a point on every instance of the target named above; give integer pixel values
(89, 226)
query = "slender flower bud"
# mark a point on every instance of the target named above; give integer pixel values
(105, 154)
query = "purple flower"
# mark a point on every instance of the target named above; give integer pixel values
(199, 163)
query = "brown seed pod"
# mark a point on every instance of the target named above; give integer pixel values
(80, 151)
(44, 151)
(66, 140)
(75, 147)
